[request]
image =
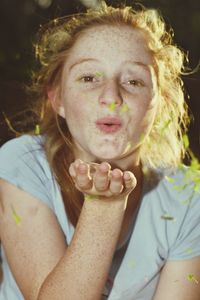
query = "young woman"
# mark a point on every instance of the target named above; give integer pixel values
(99, 204)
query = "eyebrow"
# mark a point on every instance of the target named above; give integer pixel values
(80, 61)
(138, 63)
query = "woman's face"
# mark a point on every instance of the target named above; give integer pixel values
(109, 73)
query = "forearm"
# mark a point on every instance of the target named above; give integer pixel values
(82, 272)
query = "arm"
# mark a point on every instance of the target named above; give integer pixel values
(82, 271)
(40, 248)
(35, 245)
(174, 282)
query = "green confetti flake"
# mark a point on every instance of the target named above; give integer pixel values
(131, 264)
(167, 217)
(191, 177)
(185, 202)
(189, 251)
(169, 179)
(124, 108)
(186, 141)
(142, 137)
(99, 74)
(37, 129)
(16, 217)
(112, 106)
(192, 278)
(89, 197)
(165, 126)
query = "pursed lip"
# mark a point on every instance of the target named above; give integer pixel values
(109, 120)
(109, 124)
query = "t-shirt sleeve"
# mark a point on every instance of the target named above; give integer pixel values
(22, 163)
(187, 244)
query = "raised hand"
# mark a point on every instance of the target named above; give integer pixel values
(100, 180)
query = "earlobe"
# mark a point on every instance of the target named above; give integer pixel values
(55, 103)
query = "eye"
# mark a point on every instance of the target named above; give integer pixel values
(87, 78)
(137, 83)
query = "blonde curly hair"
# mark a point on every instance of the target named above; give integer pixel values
(164, 147)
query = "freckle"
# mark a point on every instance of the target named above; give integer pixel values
(33, 211)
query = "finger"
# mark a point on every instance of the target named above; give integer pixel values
(83, 179)
(101, 177)
(129, 180)
(116, 184)
(72, 171)
(77, 162)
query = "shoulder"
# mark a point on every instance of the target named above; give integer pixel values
(22, 145)
(25, 152)
(174, 205)
(177, 189)
(23, 163)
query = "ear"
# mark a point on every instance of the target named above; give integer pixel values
(55, 102)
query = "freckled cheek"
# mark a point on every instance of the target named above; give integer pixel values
(142, 114)
(76, 110)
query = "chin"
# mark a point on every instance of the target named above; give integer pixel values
(107, 156)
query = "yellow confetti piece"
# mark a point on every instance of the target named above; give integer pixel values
(37, 129)
(124, 108)
(112, 106)
(16, 217)
(191, 278)
(89, 197)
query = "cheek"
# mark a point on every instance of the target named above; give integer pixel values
(143, 111)
(76, 108)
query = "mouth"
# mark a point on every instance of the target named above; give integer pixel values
(109, 124)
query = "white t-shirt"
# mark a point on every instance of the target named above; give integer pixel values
(166, 225)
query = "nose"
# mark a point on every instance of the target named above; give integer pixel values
(110, 94)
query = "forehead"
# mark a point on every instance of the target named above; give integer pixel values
(110, 42)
